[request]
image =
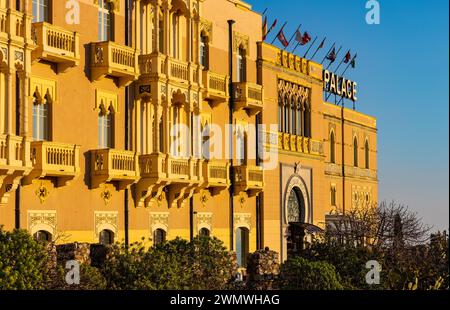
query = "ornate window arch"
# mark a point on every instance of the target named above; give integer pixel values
(355, 151)
(367, 154)
(332, 147)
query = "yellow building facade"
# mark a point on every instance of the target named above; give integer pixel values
(114, 125)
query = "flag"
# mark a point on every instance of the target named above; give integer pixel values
(347, 58)
(332, 55)
(353, 62)
(298, 36)
(270, 29)
(264, 28)
(282, 38)
(322, 44)
(305, 39)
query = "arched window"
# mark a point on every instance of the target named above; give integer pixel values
(41, 120)
(41, 11)
(241, 65)
(105, 21)
(299, 118)
(43, 236)
(106, 128)
(241, 147)
(204, 232)
(296, 207)
(159, 236)
(161, 135)
(106, 237)
(280, 113)
(206, 141)
(242, 246)
(204, 51)
(332, 148)
(286, 115)
(333, 196)
(307, 121)
(355, 152)
(367, 154)
(293, 117)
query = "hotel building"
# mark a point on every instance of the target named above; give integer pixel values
(91, 90)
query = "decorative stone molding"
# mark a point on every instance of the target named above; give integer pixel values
(159, 220)
(106, 220)
(207, 28)
(361, 196)
(204, 220)
(241, 40)
(106, 193)
(43, 88)
(105, 100)
(42, 192)
(42, 220)
(115, 4)
(243, 220)
(296, 182)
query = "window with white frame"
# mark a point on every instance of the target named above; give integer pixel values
(204, 53)
(40, 117)
(106, 128)
(41, 11)
(241, 66)
(105, 31)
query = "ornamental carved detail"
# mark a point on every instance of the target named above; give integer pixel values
(42, 219)
(42, 193)
(159, 220)
(241, 41)
(243, 220)
(109, 219)
(206, 28)
(204, 220)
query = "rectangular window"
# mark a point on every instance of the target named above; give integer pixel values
(105, 130)
(40, 122)
(40, 10)
(104, 21)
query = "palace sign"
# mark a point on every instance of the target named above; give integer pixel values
(338, 85)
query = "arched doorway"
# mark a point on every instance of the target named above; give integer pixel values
(106, 237)
(43, 236)
(296, 220)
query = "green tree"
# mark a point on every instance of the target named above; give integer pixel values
(24, 262)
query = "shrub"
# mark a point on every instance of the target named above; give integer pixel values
(178, 264)
(23, 261)
(300, 274)
(90, 279)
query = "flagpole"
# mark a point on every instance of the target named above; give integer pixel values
(318, 48)
(270, 30)
(278, 32)
(345, 70)
(289, 42)
(328, 52)
(336, 57)
(309, 48)
(265, 10)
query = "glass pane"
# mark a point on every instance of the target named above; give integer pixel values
(35, 122)
(100, 131)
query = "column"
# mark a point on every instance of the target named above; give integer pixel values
(137, 21)
(10, 76)
(156, 28)
(137, 124)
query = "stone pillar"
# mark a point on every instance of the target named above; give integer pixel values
(137, 124)
(137, 22)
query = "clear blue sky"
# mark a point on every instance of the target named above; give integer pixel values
(403, 78)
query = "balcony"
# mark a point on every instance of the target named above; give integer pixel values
(59, 161)
(248, 179)
(299, 144)
(55, 44)
(248, 96)
(115, 60)
(114, 166)
(216, 87)
(14, 164)
(177, 177)
(217, 176)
